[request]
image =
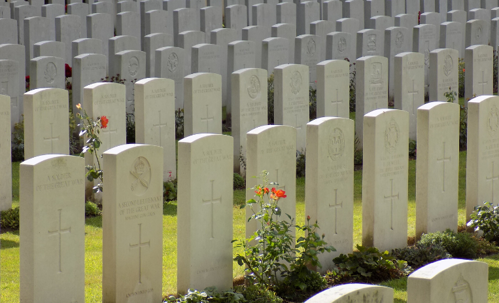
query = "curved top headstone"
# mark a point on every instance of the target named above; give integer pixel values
(354, 292)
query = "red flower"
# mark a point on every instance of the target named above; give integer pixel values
(463, 70)
(308, 218)
(104, 121)
(277, 193)
(27, 78)
(69, 71)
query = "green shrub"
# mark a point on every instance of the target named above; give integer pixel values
(270, 99)
(10, 218)
(312, 103)
(412, 148)
(91, 209)
(300, 164)
(209, 294)
(485, 218)
(358, 154)
(18, 141)
(130, 128)
(179, 123)
(367, 264)
(421, 254)
(258, 294)
(239, 182)
(459, 245)
(170, 190)
(352, 86)
(461, 71)
(463, 127)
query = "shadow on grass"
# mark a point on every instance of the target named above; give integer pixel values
(493, 271)
(397, 285)
(170, 209)
(94, 221)
(6, 244)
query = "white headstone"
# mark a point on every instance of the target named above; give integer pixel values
(5, 154)
(170, 64)
(47, 71)
(333, 76)
(354, 292)
(479, 71)
(443, 73)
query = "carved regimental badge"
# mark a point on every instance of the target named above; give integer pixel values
(462, 291)
(296, 82)
(376, 73)
(336, 144)
(371, 43)
(493, 120)
(254, 88)
(342, 44)
(448, 65)
(172, 62)
(50, 72)
(399, 39)
(311, 47)
(133, 66)
(140, 176)
(392, 132)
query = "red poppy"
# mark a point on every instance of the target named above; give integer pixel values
(69, 71)
(104, 120)
(278, 193)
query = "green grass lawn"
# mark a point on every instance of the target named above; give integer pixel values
(9, 253)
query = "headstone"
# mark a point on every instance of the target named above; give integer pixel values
(221, 37)
(47, 71)
(146, 6)
(202, 104)
(339, 46)
(205, 212)
(306, 12)
(437, 167)
(88, 68)
(211, 19)
(332, 10)
(371, 89)
(105, 99)
(477, 32)
(118, 44)
(36, 30)
(471, 4)
(236, 18)
(396, 42)
(291, 99)
(354, 9)
(171, 5)
(272, 148)
(425, 40)
(13, 80)
(489, 4)
(449, 279)
(100, 26)
(207, 58)
(432, 18)
(131, 66)
(381, 23)
(329, 183)
(286, 13)
(132, 251)
(443, 74)
(22, 12)
(479, 13)
(479, 71)
(5, 13)
(272, 53)
(408, 21)
(8, 31)
(427, 6)
(195, 5)
(288, 31)
(183, 21)
(155, 119)
(459, 16)
(307, 53)
(412, 7)
(42, 107)
(332, 97)
(451, 36)
(441, 8)
(170, 64)
(494, 31)
(455, 5)
(349, 25)
(68, 29)
(5, 152)
(394, 7)
(321, 28)
(370, 42)
(49, 48)
(249, 109)
(127, 6)
(494, 13)
(256, 34)
(385, 179)
(151, 43)
(128, 24)
(353, 291)
(409, 89)
(82, 10)
(52, 244)
(105, 7)
(264, 15)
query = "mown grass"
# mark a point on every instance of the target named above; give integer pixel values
(9, 253)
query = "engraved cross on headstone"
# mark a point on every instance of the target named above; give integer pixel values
(414, 92)
(212, 201)
(108, 131)
(492, 179)
(335, 206)
(277, 180)
(391, 197)
(51, 138)
(160, 126)
(335, 102)
(443, 160)
(139, 247)
(208, 118)
(59, 233)
(483, 82)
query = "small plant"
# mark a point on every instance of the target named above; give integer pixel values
(485, 218)
(130, 128)
(179, 123)
(450, 95)
(242, 159)
(10, 218)
(300, 164)
(358, 154)
(353, 74)
(18, 141)
(459, 245)
(239, 182)
(170, 190)
(91, 209)
(90, 130)
(461, 71)
(421, 254)
(412, 148)
(209, 294)
(270, 99)
(312, 104)
(463, 127)
(367, 264)
(256, 294)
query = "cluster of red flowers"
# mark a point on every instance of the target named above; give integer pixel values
(276, 193)
(69, 71)
(103, 121)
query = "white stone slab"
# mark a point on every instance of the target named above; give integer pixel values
(5, 154)
(479, 70)
(47, 71)
(354, 292)
(332, 97)
(444, 77)
(170, 64)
